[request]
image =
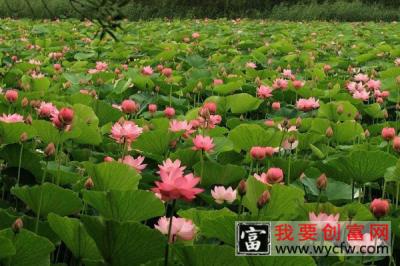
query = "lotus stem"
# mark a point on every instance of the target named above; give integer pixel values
(289, 166)
(19, 163)
(397, 194)
(40, 198)
(169, 233)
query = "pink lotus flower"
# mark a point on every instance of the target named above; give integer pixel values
(217, 82)
(280, 84)
(354, 86)
(361, 95)
(147, 71)
(211, 107)
(258, 153)
(195, 35)
(101, 66)
(287, 73)
(126, 131)
(323, 219)
(215, 120)
(287, 145)
(13, 118)
(47, 110)
(251, 65)
(136, 163)
(366, 242)
(327, 68)
(57, 67)
(11, 96)
(388, 133)
(380, 207)
(203, 143)
(269, 123)
(152, 108)
(221, 194)
(108, 159)
(175, 185)
(177, 126)
(274, 175)
(264, 92)
(374, 84)
(361, 77)
(297, 84)
(129, 106)
(180, 229)
(167, 72)
(307, 104)
(169, 112)
(276, 106)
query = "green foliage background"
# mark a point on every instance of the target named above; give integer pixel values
(341, 10)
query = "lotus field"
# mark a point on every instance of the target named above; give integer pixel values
(146, 150)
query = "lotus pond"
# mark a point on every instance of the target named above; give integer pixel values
(209, 121)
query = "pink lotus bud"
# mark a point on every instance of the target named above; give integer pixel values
(152, 108)
(329, 132)
(242, 187)
(17, 225)
(258, 153)
(211, 107)
(167, 72)
(11, 96)
(129, 107)
(108, 159)
(276, 106)
(322, 182)
(380, 207)
(66, 115)
(263, 199)
(57, 67)
(50, 149)
(23, 137)
(89, 183)
(396, 143)
(169, 112)
(388, 133)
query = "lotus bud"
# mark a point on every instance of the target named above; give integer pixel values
(339, 109)
(50, 150)
(396, 143)
(366, 133)
(322, 182)
(358, 116)
(242, 187)
(298, 122)
(329, 132)
(28, 120)
(24, 102)
(89, 183)
(380, 207)
(17, 225)
(385, 114)
(23, 137)
(263, 199)
(292, 139)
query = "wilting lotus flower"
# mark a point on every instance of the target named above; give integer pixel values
(174, 184)
(306, 105)
(323, 219)
(221, 194)
(264, 92)
(203, 143)
(13, 118)
(147, 71)
(180, 229)
(366, 242)
(136, 163)
(126, 131)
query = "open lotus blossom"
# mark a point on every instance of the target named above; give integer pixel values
(264, 92)
(181, 228)
(147, 71)
(367, 241)
(322, 219)
(178, 126)
(374, 84)
(174, 184)
(47, 110)
(136, 163)
(11, 118)
(306, 105)
(203, 143)
(361, 95)
(287, 144)
(221, 194)
(125, 131)
(354, 86)
(361, 77)
(101, 66)
(287, 73)
(280, 84)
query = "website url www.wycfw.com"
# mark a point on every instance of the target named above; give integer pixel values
(342, 249)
